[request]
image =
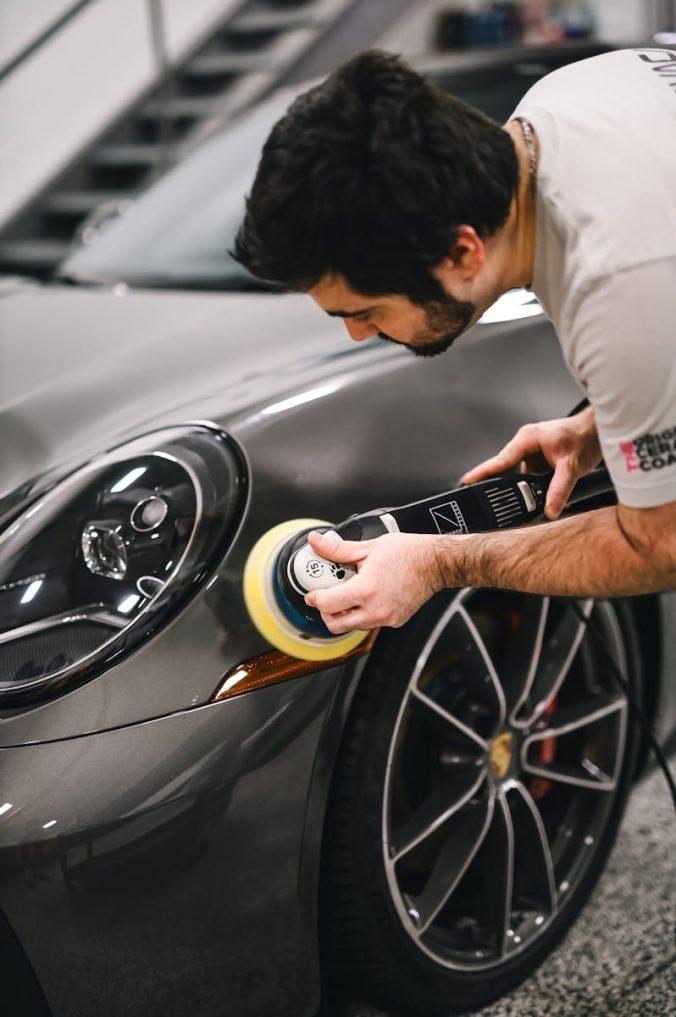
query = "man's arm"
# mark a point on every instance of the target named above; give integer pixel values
(610, 552)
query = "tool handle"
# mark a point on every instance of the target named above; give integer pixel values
(511, 499)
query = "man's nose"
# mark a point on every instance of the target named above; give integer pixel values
(360, 330)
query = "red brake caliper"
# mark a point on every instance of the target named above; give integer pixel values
(539, 786)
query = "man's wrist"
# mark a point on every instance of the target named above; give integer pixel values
(456, 558)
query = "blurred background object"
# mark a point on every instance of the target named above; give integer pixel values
(98, 98)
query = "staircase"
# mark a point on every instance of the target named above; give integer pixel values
(254, 50)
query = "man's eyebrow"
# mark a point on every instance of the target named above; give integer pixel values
(350, 314)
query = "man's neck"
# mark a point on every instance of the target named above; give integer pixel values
(516, 240)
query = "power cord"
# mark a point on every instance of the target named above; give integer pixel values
(591, 624)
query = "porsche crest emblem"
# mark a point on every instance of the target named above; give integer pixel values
(501, 754)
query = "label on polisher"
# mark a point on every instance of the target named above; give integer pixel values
(308, 571)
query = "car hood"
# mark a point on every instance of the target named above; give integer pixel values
(82, 369)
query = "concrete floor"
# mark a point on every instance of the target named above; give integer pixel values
(619, 958)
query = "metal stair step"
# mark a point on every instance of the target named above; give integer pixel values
(274, 58)
(126, 154)
(80, 202)
(273, 21)
(35, 253)
(214, 64)
(242, 92)
(309, 16)
(188, 107)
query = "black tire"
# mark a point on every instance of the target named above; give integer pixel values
(378, 892)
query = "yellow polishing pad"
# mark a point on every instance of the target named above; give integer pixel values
(265, 612)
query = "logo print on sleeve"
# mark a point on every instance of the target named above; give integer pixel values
(650, 451)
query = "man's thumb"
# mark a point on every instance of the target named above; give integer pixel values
(562, 483)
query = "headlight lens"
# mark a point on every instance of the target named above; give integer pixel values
(96, 564)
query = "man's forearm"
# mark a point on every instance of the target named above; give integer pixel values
(588, 555)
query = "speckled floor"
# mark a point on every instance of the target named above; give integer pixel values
(619, 958)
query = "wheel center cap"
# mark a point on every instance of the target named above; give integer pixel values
(501, 754)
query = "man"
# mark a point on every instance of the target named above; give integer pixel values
(407, 213)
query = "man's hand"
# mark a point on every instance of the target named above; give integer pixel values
(396, 574)
(569, 445)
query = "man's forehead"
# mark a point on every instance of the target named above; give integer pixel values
(333, 292)
(335, 296)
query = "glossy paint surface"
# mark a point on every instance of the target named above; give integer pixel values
(157, 865)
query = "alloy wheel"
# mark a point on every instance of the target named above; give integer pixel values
(502, 771)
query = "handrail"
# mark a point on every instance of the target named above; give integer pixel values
(44, 37)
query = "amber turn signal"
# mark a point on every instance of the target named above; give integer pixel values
(273, 667)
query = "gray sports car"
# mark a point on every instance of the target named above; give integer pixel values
(192, 823)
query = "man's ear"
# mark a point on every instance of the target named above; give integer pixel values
(465, 258)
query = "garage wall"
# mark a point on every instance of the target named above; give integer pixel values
(625, 20)
(65, 92)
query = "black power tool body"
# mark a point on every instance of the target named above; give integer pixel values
(283, 568)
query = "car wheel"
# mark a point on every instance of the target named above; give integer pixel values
(481, 779)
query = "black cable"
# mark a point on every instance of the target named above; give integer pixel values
(583, 403)
(591, 624)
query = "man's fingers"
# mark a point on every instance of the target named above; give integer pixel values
(486, 469)
(346, 622)
(335, 599)
(523, 444)
(561, 485)
(330, 545)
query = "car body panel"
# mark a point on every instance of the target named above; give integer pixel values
(178, 870)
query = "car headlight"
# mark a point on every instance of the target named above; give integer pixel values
(108, 554)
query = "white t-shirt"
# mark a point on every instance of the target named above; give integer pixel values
(605, 257)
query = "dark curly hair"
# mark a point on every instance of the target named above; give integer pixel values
(368, 175)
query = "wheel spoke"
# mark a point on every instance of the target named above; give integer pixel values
(437, 808)
(480, 666)
(518, 671)
(461, 677)
(499, 863)
(558, 652)
(567, 723)
(479, 670)
(534, 882)
(465, 836)
(578, 715)
(450, 718)
(585, 774)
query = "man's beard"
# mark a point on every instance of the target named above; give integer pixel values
(445, 320)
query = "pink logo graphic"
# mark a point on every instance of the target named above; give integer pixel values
(628, 450)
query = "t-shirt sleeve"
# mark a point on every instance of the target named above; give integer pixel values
(623, 351)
